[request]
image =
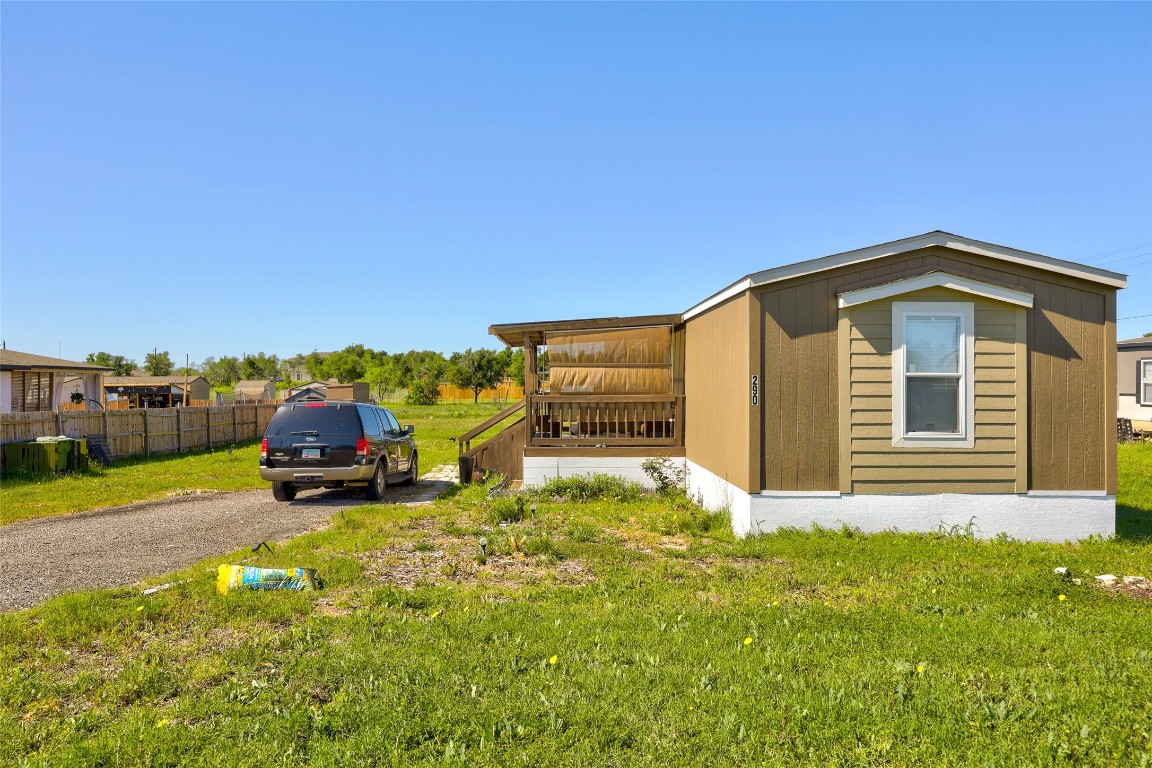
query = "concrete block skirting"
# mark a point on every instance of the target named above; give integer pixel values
(540, 469)
(1035, 516)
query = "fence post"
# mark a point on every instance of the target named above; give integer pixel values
(107, 436)
(59, 421)
(233, 423)
(147, 437)
(179, 430)
(208, 416)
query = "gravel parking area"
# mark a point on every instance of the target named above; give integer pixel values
(118, 546)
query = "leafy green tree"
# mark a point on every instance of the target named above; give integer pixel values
(515, 367)
(158, 363)
(224, 372)
(316, 368)
(120, 365)
(477, 370)
(345, 366)
(259, 366)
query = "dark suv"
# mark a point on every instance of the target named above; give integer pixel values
(335, 444)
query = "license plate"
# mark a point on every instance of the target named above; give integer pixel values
(309, 453)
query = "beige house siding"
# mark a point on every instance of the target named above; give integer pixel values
(717, 377)
(997, 461)
(1070, 332)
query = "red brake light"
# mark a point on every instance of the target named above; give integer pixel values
(315, 405)
(264, 448)
(361, 446)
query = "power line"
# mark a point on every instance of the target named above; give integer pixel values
(1124, 258)
(1118, 250)
(1133, 317)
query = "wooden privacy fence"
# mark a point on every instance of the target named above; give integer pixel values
(146, 431)
(505, 391)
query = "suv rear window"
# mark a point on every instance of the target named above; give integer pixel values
(324, 420)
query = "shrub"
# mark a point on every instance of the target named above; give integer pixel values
(590, 487)
(423, 392)
(664, 473)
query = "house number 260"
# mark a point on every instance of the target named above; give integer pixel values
(755, 390)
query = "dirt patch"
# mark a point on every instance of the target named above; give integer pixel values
(1132, 586)
(440, 558)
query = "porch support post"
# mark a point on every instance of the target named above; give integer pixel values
(530, 383)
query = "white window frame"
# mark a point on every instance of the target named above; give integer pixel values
(1143, 379)
(966, 436)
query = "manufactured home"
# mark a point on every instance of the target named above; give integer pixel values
(918, 385)
(1134, 380)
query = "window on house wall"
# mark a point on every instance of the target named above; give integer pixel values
(1145, 388)
(932, 374)
(31, 391)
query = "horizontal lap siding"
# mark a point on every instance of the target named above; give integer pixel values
(1066, 415)
(992, 465)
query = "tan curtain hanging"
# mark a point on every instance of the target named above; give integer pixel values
(618, 361)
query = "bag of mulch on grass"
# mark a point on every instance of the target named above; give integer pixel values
(232, 577)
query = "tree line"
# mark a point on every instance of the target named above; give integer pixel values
(420, 372)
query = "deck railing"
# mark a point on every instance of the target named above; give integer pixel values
(605, 420)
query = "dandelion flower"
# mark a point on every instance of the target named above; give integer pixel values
(1062, 597)
(140, 608)
(434, 615)
(747, 641)
(919, 669)
(162, 723)
(554, 659)
(933, 590)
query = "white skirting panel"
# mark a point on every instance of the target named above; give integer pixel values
(540, 469)
(1037, 516)
(715, 493)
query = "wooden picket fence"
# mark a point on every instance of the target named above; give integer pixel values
(146, 431)
(504, 392)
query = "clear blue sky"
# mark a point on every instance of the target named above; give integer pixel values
(214, 178)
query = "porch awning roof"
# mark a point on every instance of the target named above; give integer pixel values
(512, 334)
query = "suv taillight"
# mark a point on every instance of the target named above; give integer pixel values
(264, 448)
(362, 446)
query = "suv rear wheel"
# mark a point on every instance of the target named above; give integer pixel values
(413, 471)
(283, 491)
(379, 484)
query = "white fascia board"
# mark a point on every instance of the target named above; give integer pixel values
(935, 280)
(718, 298)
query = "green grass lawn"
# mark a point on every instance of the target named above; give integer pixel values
(622, 630)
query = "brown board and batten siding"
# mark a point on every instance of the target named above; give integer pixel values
(800, 386)
(720, 429)
(998, 460)
(1071, 428)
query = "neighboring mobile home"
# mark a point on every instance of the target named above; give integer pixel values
(1134, 379)
(36, 383)
(931, 383)
(255, 391)
(156, 391)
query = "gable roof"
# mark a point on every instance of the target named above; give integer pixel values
(946, 239)
(11, 360)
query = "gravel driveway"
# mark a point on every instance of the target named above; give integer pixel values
(118, 546)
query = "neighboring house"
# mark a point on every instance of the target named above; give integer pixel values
(295, 369)
(36, 383)
(254, 391)
(1134, 379)
(156, 391)
(932, 383)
